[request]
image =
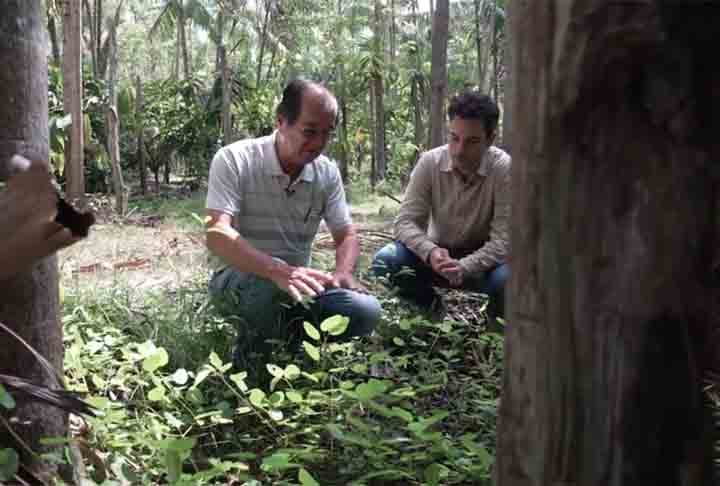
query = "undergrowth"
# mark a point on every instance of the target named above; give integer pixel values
(414, 404)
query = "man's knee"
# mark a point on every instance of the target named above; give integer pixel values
(362, 309)
(497, 279)
(391, 258)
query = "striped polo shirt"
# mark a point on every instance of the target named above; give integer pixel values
(278, 218)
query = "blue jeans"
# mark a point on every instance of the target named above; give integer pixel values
(415, 279)
(264, 313)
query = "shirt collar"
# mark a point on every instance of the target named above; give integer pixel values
(446, 164)
(272, 163)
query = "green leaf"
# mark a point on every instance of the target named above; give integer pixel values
(398, 341)
(200, 377)
(156, 360)
(292, 372)
(239, 380)
(306, 478)
(312, 351)
(435, 472)
(276, 462)
(174, 465)
(156, 394)
(335, 325)
(311, 331)
(182, 445)
(9, 464)
(294, 396)
(215, 361)
(6, 400)
(256, 397)
(371, 389)
(180, 376)
(275, 370)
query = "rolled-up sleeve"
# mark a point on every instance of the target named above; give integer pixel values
(412, 221)
(496, 250)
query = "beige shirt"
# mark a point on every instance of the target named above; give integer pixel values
(442, 209)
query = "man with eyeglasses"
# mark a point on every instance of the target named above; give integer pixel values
(266, 198)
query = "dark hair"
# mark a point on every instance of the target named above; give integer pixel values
(291, 102)
(473, 105)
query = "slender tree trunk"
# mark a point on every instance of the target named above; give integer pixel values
(226, 96)
(52, 32)
(495, 52)
(113, 122)
(373, 135)
(342, 100)
(142, 164)
(378, 98)
(615, 231)
(479, 7)
(263, 37)
(28, 300)
(98, 12)
(72, 100)
(508, 85)
(183, 43)
(438, 76)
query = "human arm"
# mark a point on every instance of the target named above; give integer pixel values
(495, 251)
(414, 215)
(225, 242)
(347, 251)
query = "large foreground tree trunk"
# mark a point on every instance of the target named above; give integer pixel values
(28, 300)
(615, 230)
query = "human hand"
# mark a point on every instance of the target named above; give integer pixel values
(443, 264)
(345, 280)
(302, 282)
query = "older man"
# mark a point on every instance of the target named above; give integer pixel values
(452, 229)
(266, 197)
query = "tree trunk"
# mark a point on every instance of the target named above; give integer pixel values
(183, 42)
(263, 37)
(142, 164)
(508, 86)
(378, 99)
(28, 300)
(72, 100)
(479, 7)
(495, 53)
(52, 32)
(438, 73)
(113, 131)
(226, 93)
(616, 225)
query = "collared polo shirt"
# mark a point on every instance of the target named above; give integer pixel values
(276, 216)
(470, 215)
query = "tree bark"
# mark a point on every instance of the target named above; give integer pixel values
(52, 32)
(72, 100)
(508, 85)
(142, 164)
(479, 7)
(263, 37)
(226, 96)
(29, 299)
(615, 225)
(438, 73)
(113, 131)
(378, 100)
